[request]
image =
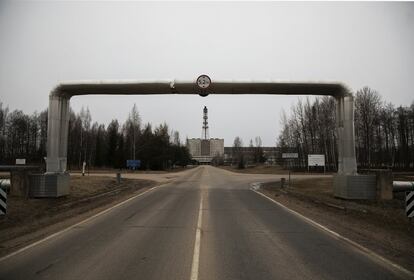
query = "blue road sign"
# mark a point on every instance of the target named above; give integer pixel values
(133, 163)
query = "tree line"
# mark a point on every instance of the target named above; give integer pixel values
(25, 136)
(253, 154)
(384, 133)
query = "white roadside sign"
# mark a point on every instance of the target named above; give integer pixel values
(21, 161)
(290, 155)
(316, 160)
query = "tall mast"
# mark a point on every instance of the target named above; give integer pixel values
(205, 135)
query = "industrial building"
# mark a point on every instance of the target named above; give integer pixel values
(272, 155)
(205, 149)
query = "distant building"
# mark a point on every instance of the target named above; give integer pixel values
(216, 147)
(205, 149)
(271, 155)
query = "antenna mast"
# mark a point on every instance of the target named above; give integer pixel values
(205, 135)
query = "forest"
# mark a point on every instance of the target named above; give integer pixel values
(100, 146)
(384, 133)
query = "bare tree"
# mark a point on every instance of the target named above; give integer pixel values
(238, 152)
(367, 107)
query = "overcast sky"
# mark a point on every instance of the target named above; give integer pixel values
(42, 43)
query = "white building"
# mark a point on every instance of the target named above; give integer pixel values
(204, 150)
(216, 147)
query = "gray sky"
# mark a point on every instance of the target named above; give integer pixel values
(42, 43)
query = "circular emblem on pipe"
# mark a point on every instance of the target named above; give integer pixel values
(203, 82)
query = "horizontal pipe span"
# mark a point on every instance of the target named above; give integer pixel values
(127, 87)
(402, 186)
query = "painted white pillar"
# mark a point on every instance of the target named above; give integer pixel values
(339, 129)
(346, 135)
(57, 134)
(349, 158)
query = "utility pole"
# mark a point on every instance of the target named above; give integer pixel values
(133, 146)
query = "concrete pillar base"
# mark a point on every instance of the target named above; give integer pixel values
(19, 183)
(384, 184)
(19, 179)
(49, 185)
(355, 186)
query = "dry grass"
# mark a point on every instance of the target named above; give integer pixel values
(258, 169)
(114, 171)
(265, 169)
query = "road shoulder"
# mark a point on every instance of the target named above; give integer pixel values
(362, 226)
(34, 219)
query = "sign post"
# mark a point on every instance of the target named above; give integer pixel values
(290, 156)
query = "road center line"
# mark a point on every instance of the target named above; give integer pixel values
(197, 243)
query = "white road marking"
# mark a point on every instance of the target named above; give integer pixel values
(368, 252)
(75, 225)
(196, 255)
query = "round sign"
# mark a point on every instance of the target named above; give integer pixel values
(203, 81)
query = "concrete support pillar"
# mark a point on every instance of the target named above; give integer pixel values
(57, 134)
(346, 136)
(347, 183)
(349, 160)
(340, 130)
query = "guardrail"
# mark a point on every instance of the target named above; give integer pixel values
(402, 186)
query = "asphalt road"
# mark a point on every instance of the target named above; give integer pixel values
(206, 224)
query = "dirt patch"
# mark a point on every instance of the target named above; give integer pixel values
(29, 220)
(267, 169)
(403, 176)
(378, 225)
(127, 171)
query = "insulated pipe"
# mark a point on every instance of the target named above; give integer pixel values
(402, 186)
(5, 184)
(132, 87)
(59, 98)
